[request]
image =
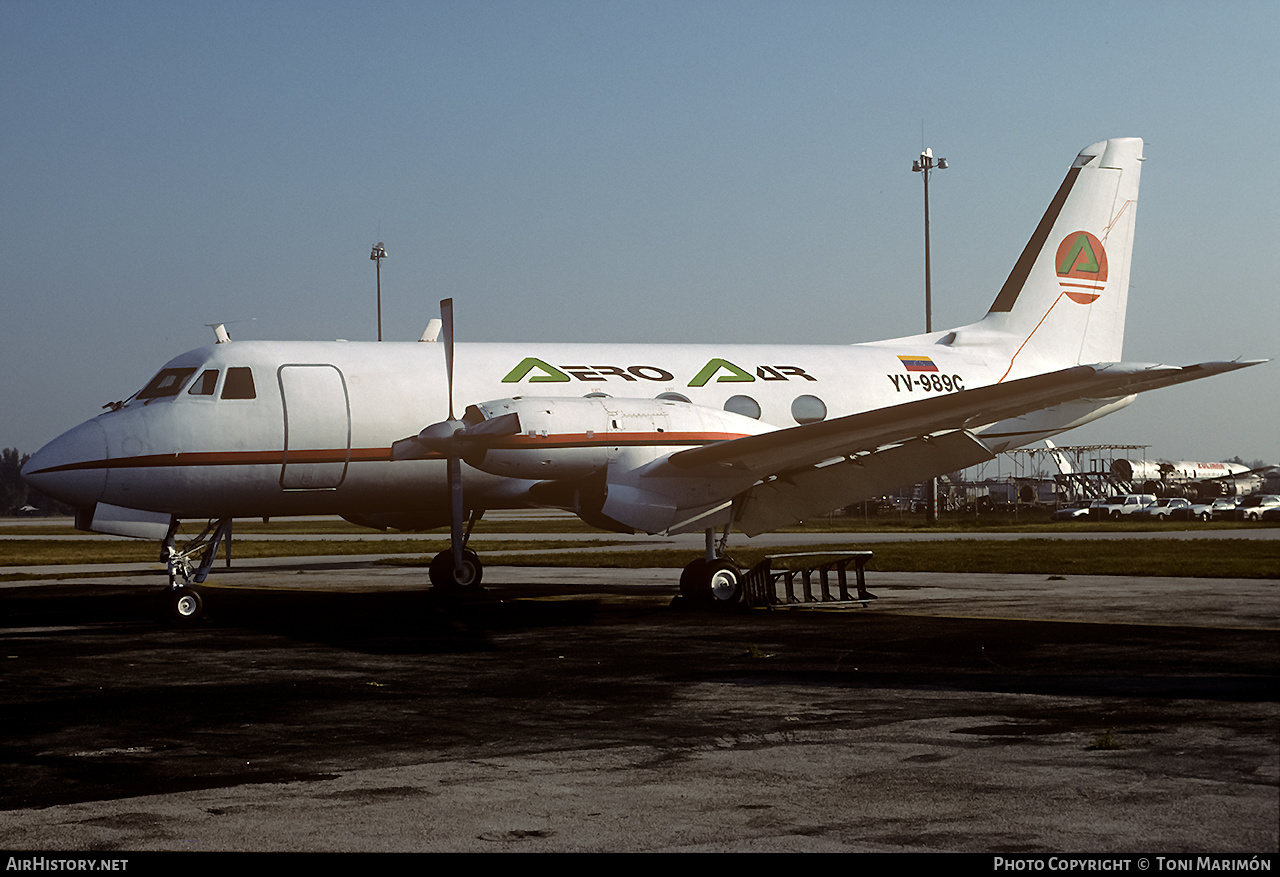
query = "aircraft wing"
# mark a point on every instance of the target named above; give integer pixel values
(810, 469)
(784, 449)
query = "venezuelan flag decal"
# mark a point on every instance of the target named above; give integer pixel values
(918, 364)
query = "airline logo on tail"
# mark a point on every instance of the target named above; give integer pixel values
(1082, 267)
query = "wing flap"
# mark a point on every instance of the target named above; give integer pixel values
(790, 498)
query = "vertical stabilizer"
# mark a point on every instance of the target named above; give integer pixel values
(1064, 465)
(1064, 302)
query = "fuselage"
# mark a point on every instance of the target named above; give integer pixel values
(287, 428)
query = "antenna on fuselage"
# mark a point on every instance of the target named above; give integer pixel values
(432, 332)
(220, 332)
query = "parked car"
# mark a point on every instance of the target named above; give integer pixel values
(1164, 508)
(1221, 507)
(1073, 510)
(1122, 504)
(1252, 507)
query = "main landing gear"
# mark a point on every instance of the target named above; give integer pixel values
(464, 577)
(183, 602)
(460, 572)
(712, 580)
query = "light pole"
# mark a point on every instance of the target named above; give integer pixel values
(379, 253)
(923, 165)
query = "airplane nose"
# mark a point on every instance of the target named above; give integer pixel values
(71, 468)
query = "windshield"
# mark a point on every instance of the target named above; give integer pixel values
(167, 384)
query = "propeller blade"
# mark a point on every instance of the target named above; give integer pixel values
(446, 321)
(449, 433)
(494, 427)
(409, 449)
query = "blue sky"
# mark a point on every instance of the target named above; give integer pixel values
(643, 171)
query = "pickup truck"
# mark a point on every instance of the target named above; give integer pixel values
(1122, 504)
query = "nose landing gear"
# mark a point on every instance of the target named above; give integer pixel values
(183, 601)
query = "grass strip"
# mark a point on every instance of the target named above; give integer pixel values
(39, 552)
(1216, 558)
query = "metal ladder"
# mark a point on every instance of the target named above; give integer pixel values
(761, 584)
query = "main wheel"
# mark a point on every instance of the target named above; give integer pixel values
(444, 576)
(711, 582)
(185, 605)
(691, 579)
(724, 580)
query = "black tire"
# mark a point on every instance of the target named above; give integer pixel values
(711, 583)
(185, 605)
(443, 575)
(692, 580)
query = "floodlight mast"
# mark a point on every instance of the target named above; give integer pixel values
(379, 253)
(923, 165)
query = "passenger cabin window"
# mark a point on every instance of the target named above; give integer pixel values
(808, 409)
(205, 384)
(239, 384)
(744, 405)
(166, 384)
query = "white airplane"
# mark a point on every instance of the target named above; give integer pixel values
(1060, 458)
(654, 438)
(1189, 478)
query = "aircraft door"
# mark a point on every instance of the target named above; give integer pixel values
(317, 427)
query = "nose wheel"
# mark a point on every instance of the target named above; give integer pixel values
(185, 605)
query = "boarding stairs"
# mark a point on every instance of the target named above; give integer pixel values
(760, 587)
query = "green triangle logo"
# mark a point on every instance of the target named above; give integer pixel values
(548, 374)
(735, 374)
(1080, 258)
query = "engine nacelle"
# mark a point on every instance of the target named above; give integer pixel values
(573, 438)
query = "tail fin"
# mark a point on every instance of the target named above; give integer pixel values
(1064, 465)
(1064, 302)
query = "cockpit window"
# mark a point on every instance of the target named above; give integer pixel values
(239, 384)
(166, 384)
(204, 385)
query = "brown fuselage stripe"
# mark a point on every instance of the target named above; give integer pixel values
(368, 455)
